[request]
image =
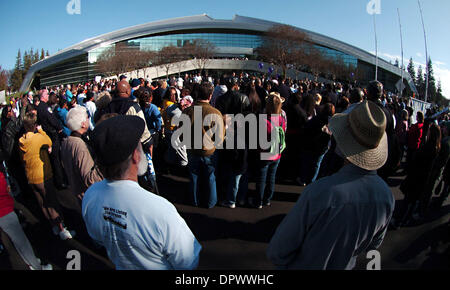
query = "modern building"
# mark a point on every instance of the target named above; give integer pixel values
(238, 37)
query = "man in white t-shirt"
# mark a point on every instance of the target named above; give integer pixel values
(80, 97)
(198, 78)
(91, 109)
(180, 83)
(140, 230)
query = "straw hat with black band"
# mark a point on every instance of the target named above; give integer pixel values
(360, 135)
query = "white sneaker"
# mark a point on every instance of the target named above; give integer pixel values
(66, 234)
(47, 267)
(227, 204)
(300, 182)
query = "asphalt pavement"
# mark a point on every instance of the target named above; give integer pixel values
(232, 239)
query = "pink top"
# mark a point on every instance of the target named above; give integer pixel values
(276, 120)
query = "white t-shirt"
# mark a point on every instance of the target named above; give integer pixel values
(198, 79)
(16, 111)
(140, 230)
(91, 108)
(180, 82)
(80, 99)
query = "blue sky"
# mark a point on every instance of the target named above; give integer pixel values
(46, 23)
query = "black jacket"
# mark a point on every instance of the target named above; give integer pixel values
(158, 95)
(233, 102)
(119, 106)
(415, 184)
(315, 140)
(284, 91)
(49, 122)
(394, 150)
(10, 138)
(262, 94)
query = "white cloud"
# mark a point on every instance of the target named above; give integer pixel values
(419, 54)
(391, 57)
(440, 73)
(443, 74)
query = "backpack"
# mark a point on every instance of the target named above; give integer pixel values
(117, 105)
(280, 144)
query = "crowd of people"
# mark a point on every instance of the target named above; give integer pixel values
(104, 141)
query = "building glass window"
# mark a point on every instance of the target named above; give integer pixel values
(227, 43)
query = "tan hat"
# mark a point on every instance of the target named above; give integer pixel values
(276, 95)
(361, 135)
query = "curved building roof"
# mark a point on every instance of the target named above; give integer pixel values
(198, 22)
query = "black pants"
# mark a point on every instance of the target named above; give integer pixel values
(59, 175)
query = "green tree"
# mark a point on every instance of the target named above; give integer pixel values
(3, 79)
(35, 57)
(432, 89)
(420, 83)
(17, 74)
(411, 70)
(27, 62)
(42, 54)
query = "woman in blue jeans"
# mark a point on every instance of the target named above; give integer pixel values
(203, 179)
(317, 140)
(269, 161)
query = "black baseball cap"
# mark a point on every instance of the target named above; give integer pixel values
(115, 139)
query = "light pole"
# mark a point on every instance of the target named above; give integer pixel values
(426, 52)
(401, 43)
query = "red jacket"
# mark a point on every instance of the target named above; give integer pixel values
(415, 135)
(6, 201)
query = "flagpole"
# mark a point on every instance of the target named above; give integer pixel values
(401, 43)
(426, 51)
(376, 48)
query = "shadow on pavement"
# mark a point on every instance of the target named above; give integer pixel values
(207, 228)
(431, 241)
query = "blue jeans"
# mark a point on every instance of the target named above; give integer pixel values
(310, 166)
(237, 184)
(201, 173)
(233, 187)
(318, 163)
(266, 178)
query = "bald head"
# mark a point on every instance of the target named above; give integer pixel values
(43, 95)
(374, 90)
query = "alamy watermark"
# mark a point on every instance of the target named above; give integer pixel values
(241, 132)
(375, 260)
(75, 260)
(73, 7)
(374, 7)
